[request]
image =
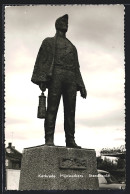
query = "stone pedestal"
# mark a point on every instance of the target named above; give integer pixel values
(58, 168)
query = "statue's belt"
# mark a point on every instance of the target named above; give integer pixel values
(64, 67)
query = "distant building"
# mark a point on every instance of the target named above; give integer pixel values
(13, 165)
(114, 152)
(117, 155)
(12, 157)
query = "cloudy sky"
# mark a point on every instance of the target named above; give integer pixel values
(97, 31)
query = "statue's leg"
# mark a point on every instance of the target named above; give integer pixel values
(69, 100)
(54, 95)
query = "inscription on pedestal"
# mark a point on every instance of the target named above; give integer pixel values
(72, 163)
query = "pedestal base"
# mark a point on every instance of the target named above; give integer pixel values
(58, 168)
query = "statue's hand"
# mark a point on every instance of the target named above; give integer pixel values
(83, 92)
(42, 86)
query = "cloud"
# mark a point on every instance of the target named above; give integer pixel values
(112, 118)
(11, 121)
(100, 24)
(100, 138)
(119, 139)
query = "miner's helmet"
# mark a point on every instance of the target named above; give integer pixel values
(62, 23)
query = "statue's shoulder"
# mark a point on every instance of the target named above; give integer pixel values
(48, 40)
(71, 44)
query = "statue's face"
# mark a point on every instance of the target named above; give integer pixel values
(63, 25)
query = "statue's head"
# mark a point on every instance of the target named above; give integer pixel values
(62, 23)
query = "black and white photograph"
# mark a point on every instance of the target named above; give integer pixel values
(64, 97)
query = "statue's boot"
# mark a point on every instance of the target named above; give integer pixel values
(49, 141)
(70, 143)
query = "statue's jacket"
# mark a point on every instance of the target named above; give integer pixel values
(44, 64)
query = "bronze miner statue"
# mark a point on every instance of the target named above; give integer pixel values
(57, 68)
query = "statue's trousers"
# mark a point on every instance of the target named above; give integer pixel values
(63, 83)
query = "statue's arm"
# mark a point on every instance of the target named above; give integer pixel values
(42, 86)
(39, 75)
(80, 83)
